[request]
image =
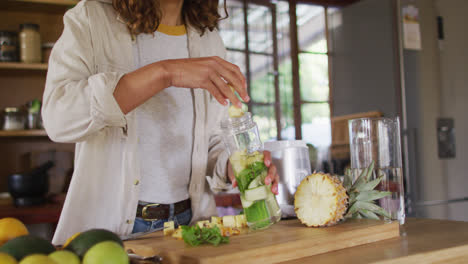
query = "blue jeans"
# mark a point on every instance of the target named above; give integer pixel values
(142, 225)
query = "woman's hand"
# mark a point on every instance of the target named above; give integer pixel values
(272, 177)
(213, 74)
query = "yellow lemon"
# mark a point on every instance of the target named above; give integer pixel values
(7, 259)
(11, 228)
(37, 259)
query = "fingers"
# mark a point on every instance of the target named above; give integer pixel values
(216, 93)
(272, 178)
(267, 158)
(234, 183)
(233, 75)
(223, 88)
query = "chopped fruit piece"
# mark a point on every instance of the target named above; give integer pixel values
(229, 221)
(216, 221)
(204, 223)
(235, 112)
(226, 231)
(177, 233)
(241, 221)
(236, 231)
(168, 228)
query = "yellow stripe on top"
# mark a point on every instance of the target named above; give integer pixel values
(172, 30)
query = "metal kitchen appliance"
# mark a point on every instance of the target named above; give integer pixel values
(291, 158)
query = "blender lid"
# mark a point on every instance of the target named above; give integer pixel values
(282, 144)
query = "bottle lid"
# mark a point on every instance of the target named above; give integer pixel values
(30, 26)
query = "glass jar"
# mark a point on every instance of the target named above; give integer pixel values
(13, 119)
(8, 46)
(30, 43)
(241, 137)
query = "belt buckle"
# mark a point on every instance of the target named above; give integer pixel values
(143, 212)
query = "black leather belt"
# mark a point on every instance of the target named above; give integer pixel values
(153, 212)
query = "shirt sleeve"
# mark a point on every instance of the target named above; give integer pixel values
(217, 152)
(218, 156)
(78, 101)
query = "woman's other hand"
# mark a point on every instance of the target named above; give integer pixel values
(210, 73)
(271, 178)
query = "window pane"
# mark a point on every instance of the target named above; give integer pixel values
(264, 116)
(262, 88)
(311, 28)
(232, 28)
(314, 77)
(260, 31)
(288, 130)
(316, 124)
(238, 58)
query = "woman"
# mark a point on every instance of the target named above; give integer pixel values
(144, 145)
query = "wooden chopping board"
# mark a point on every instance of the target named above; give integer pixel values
(286, 240)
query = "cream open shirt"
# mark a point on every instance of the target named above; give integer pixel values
(93, 53)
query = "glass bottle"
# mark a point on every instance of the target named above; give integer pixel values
(241, 137)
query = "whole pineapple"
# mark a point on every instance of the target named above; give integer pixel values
(323, 200)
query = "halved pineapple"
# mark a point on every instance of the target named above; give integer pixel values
(320, 200)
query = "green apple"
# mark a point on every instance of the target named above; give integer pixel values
(107, 252)
(64, 257)
(37, 259)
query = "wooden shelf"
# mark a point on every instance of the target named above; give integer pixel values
(51, 2)
(23, 133)
(37, 6)
(23, 66)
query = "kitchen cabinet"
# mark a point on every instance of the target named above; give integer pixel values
(22, 82)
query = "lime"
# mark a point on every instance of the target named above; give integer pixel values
(7, 259)
(23, 246)
(64, 257)
(70, 239)
(37, 259)
(80, 243)
(107, 252)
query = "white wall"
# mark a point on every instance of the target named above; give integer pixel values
(363, 59)
(454, 97)
(436, 83)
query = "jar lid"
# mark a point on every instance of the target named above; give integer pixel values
(30, 26)
(12, 110)
(5, 33)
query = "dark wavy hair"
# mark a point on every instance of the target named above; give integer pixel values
(144, 16)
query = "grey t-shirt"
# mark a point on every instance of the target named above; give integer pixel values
(165, 123)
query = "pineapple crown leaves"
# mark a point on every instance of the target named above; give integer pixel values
(362, 195)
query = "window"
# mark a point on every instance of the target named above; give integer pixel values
(257, 37)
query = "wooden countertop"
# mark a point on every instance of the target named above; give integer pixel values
(422, 241)
(425, 241)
